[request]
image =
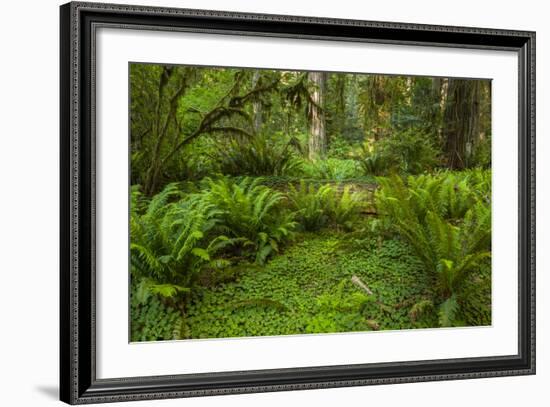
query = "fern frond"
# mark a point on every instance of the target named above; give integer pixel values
(448, 312)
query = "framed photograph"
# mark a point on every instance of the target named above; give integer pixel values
(254, 203)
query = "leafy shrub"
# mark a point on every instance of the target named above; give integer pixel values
(195, 164)
(450, 195)
(479, 181)
(168, 241)
(318, 207)
(258, 156)
(344, 210)
(251, 214)
(481, 154)
(374, 163)
(406, 151)
(448, 225)
(339, 147)
(332, 169)
(412, 151)
(311, 205)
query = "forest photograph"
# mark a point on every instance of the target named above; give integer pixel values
(270, 202)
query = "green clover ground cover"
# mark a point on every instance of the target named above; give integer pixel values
(309, 289)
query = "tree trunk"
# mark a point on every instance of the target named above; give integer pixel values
(256, 104)
(461, 121)
(317, 137)
(340, 109)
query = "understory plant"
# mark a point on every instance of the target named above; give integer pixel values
(259, 156)
(250, 214)
(332, 168)
(172, 240)
(344, 209)
(447, 223)
(403, 151)
(316, 208)
(152, 317)
(310, 204)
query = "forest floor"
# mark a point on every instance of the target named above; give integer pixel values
(308, 289)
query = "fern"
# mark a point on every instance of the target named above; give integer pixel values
(312, 206)
(168, 241)
(345, 210)
(447, 221)
(259, 156)
(373, 162)
(316, 208)
(251, 215)
(421, 308)
(332, 169)
(448, 312)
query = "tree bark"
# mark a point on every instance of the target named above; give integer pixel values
(317, 137)
(461, 121)
(340, 110)
(256, 104)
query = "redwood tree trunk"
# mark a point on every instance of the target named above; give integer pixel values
(317, 134)
(256, 104)
(461, 121)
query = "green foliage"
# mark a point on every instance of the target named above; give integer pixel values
(448, 311)
(475, 298)
(481, 154)
(258, 156)
(340, 148)
(448, 225)
(449, 195)
(332, 169)
(420, 309)
(311, 205)
(406, 151)
(168, 243)
(412, 151)
(344, 210)
(316, 208)
(195, 163)
(151, 318)
(251, 214)
(235, 232)
(373, 162)
(339, 311)
(308, 289)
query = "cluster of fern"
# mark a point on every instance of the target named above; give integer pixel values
(259, 156)
(178, 235)
(405, 151)
(316, 208)
(275, 156)
(446, 219)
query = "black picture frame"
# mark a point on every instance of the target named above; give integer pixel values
(78, 382)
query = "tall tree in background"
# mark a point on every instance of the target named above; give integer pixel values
(461, 121)
(317, 136)
(339, 120)
(256, 103)
(380, 97)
